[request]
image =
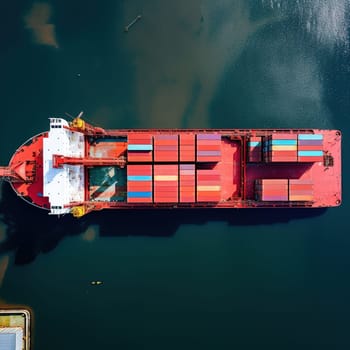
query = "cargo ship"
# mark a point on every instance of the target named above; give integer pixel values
(77, 167)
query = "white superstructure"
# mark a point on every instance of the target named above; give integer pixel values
(65, 184)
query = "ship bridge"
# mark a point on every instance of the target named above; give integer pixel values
(65, 184)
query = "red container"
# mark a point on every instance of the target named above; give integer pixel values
(209, 142)
(275, 192)
(301, 187)
(303, 198)
(187, 198)
(166, 137)
(284, 159)
(213, 177)
(139, 186)
(273, 185)
(165, 200)
(187, 179)
(187, 139)
(310, 159)
(165, 182)
(160, 143)
(166, 189)
(300, 193)
(140, 157)
(255, 138)
(310, 148)
(140, 138)
(165, 169)
(187, 188)
(134, 169)
(208, 147)
(166, 193)
(283, 153)
(187, 147)
(140, 200)
(281, 136)
(204, 198)
(274, 181)
(187, 156)
(301, 181)
(166, 148)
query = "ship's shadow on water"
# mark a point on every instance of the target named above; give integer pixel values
(30, 231)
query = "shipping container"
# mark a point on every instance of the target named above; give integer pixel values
(283, 142)
(310, 153)
(310, 159)
(208, 136)
(310, 136)
(281, 136)
(300, 181)
(283, 148)
(139, 169)
(318, 143)
(310, 148)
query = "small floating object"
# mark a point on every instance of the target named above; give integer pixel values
(126, 29)
(96, 283)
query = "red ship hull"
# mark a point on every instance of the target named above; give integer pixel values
(229, 168)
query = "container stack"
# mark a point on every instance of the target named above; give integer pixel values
(281, 148)
(140, 147)
(208, 148)
(300, 190)
(208, 185)
(254, 149)
(187, 147)
(187, 183)
(165, 183)
(271, 189)
(139, 183)
(310, 148)
(166, 148)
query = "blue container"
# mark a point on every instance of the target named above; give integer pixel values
(310, 153)
(139, 178)
(254, 143)
(283, 142)
(139, 194)
(310, 136)
(140, 147)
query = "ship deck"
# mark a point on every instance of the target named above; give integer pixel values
(107, 184)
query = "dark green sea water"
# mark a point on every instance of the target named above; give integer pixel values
(177, 280)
